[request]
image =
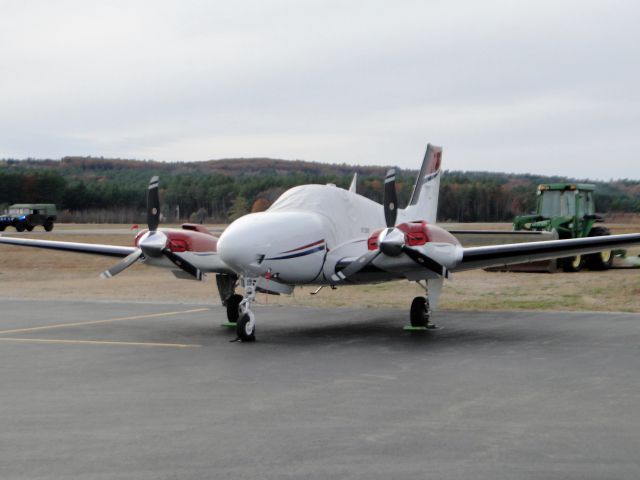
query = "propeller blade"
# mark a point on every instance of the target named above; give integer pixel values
(126, 262)
(426, 262)
(153, 204)
(183, 264)
(390, 200)
(356, 266)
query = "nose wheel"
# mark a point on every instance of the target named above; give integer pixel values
(246, 327)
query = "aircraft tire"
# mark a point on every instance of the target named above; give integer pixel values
(233, 310)
(244, 331)
(419, 313)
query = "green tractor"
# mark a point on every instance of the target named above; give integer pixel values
(569, 210)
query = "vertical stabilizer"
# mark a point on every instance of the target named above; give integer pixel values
(354, 183)
(424, 199)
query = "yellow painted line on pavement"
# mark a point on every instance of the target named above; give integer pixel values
(97, 322)
(98, 342)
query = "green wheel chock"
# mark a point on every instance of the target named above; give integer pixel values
(229, 324)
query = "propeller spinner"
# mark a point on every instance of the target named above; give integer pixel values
(153, 244)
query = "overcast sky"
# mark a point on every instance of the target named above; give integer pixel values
(546, 87)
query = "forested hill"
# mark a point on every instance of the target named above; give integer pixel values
(113, 190)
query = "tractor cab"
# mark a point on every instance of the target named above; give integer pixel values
(560, 200)
(568, 208)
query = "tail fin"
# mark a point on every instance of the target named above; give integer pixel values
(423, 204)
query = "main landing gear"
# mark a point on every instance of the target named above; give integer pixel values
(420, 312)
(233, 308)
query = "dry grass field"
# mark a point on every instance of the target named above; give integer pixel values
(42, 274)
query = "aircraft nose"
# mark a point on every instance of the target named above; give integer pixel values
(250, 242)
(238, 247)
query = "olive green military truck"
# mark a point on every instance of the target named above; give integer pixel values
(27, 216)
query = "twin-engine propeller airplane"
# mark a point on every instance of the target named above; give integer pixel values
(324, 235)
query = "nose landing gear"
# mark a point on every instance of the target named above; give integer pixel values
(246, 325)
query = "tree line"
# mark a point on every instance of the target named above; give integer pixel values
(103, 190)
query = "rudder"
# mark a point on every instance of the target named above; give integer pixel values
(423, 204)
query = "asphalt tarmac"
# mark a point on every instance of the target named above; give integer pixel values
(156, 391)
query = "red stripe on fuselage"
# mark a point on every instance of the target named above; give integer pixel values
(306, 246)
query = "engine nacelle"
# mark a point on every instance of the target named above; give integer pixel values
(416, 234)
(186, 240)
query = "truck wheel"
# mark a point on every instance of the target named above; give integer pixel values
(2, 227)
(48, 225)
(573, 264)
(602, 260)
(29, 228)
(20, 227)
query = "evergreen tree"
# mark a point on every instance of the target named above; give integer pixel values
(238, 208)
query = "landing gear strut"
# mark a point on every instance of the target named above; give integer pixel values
(246, 326)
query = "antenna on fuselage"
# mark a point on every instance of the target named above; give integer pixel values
(354, 183)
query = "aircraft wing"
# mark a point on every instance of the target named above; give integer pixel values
(499, 255)
(437, 260)
(91, 248)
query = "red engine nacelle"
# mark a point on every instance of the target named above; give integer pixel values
(187, 239)
(415, 234)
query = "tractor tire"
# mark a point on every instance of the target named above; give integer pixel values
(573, 264)
(603, 260)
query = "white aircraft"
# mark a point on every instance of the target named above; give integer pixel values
(326, 236)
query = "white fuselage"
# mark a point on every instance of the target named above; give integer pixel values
(302, 236)
(310, 229)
